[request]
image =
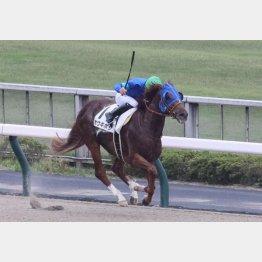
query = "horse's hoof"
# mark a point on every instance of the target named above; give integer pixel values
(145, 201)
(133, 200)
(123, 203)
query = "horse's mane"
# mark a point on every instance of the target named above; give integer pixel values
(149, 94)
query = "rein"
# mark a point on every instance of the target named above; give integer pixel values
(168, 109)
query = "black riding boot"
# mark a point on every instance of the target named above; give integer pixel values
(117, 112)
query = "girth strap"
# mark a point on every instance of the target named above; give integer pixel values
(118, 146)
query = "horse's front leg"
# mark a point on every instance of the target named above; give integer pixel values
(118, 168)
(151, 171)
(134, 187)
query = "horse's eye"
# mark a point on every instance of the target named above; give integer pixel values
(168, 96)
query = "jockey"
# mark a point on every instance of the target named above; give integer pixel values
(127, 94)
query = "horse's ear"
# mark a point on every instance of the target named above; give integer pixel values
(171, 82)
(181, 96)
(151, 92)
(153, 88)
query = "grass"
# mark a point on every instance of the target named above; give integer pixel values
(229, 69)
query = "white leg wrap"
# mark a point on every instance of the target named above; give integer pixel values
(134, 186)
(131, 184)
(116, 193)
(134, 194)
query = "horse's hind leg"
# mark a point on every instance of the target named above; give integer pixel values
(101, 174)
(118, 168)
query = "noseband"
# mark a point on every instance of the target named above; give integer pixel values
(172, 108)
(168, 109)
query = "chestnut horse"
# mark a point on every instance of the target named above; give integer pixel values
(140, 138)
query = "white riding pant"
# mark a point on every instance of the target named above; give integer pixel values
(120, 100)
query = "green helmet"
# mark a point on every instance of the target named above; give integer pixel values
(153, 80)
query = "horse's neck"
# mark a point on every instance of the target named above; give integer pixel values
(156, 125)
(153, 122)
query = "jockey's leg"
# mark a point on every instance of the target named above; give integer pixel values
(117, 112)
(120, 100)
(124, 103)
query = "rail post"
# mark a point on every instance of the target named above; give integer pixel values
(192, 123)
(164, 187)
(23, 163)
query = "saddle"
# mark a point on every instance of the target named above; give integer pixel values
(117, 124)
(114, 127)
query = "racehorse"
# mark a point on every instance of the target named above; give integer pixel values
(140, 138)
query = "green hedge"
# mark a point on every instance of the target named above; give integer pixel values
(213, 168)
(182, 165)
(33, 149)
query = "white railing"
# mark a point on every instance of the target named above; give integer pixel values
(167, 141)
(81, 95)
(33, 131)
(211, 145)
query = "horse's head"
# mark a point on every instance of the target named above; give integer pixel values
(171, 103)
(168, 101)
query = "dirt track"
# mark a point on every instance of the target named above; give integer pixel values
(18, 209)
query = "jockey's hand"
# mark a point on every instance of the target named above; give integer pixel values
(122, 91)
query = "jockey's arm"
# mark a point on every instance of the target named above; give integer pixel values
(120, 88)
(122, 91)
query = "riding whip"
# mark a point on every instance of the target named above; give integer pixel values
(132, 61)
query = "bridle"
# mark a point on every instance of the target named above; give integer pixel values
(168, 108)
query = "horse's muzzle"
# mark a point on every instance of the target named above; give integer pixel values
(181, 117)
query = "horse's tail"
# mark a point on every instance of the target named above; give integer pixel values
(74, 141)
